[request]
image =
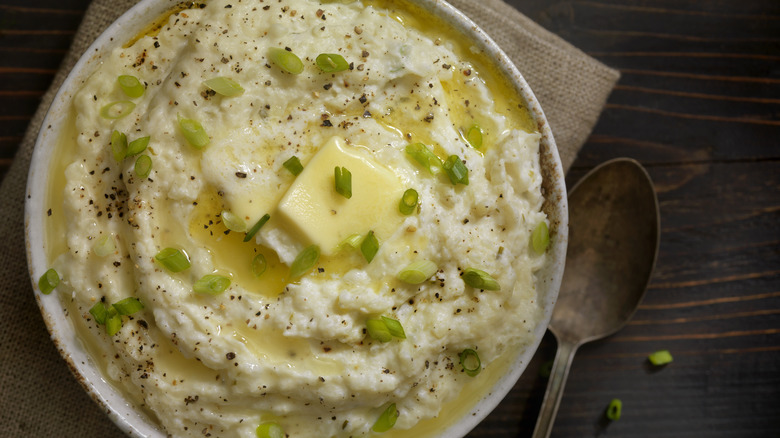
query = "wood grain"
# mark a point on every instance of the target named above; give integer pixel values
(699, 105)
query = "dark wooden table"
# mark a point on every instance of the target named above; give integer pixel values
(699, 105)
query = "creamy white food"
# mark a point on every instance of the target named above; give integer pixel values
(272, 348)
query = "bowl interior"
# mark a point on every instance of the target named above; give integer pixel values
(130, 418)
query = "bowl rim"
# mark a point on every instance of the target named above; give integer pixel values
(128, 417)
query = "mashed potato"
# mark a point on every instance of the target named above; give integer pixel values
(274, 347)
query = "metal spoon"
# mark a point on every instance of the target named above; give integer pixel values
(614, 230)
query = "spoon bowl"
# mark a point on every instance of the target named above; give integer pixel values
(614, 232)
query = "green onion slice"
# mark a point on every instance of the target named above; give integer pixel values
(128, 306)
(418, 272)
(131, 86)
(304, 261)
(117, 110)
(369, 247)
(233, 222)
(118, 145)
(193, 131)
(425, 157)
(408, 202)
(269, 430)
(113, 323)
(256, 227)
(394, 327)
(259, 265)
(386, 421)
(286, 60)
(224, 86)
(104, 246)
(661, 357)
(293, 164)
(353, 240)
(474, 136)
(456, 170)
(174, 260)
(48, 281)
(614, 409)
(480, 279)
(469, 360)
(331, 62)
(343, 178)
(143, 166)
(137, 146)
(99, 312)
(211, 284)
(378, 330)
(540, 238)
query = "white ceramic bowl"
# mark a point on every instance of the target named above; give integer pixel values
(132, 420)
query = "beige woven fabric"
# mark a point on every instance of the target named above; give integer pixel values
(38, 395)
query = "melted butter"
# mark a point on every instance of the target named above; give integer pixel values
(288, 351)
(56, 224)
(170, 362)
(231, 253)
(155, 26)
(472, 391)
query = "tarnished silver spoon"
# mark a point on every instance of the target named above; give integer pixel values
(614, 231)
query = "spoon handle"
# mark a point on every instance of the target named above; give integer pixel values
(552, 398)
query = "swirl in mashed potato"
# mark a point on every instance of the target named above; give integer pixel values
(296, 350)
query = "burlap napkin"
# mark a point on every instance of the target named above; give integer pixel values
(38, 395)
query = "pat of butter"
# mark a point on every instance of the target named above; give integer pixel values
(317, 214)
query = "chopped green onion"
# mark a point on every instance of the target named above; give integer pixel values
(369, 247)
(48, 281)
(343, 178)
(233, 222)
(353, 240)
(331, 62)
(456, 170)
(118, 145)
(104, 246)
(386, 421)
(193, 132)
(408, 202)
(137, 146)
(304, 261)
(270, 430)
(128, 306)
(99, 312)
(293, 164)
(474, 136)
(378, 330)
(614, 409)
(425, 157)
(211, 284)
(256, 227)
(469, 360)
(661, 357)
(113, 323)
(418, 271)
(131, 86)
(259, 265)
(117, 110)
(480, 279)
(143, 166)
(224, 86)
(394, 327)
(540, 238)
(173, 259)
(286, 60)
